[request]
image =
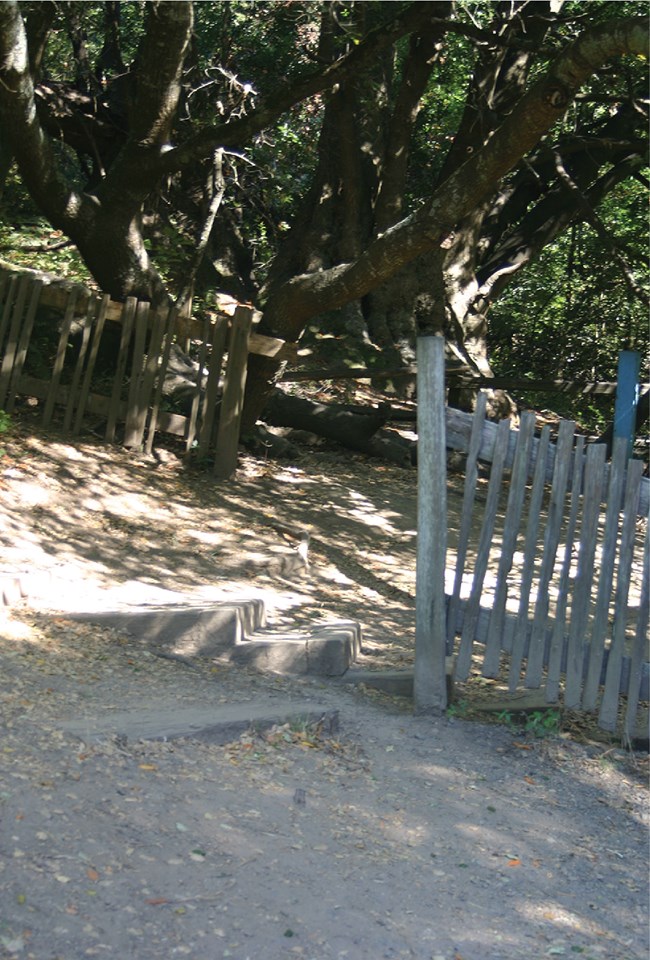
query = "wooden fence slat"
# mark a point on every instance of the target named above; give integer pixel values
(208, 412)
(600, 623)
(638, 647)
(10, 292)
(609, 704)
(23, 344)
(128, 313)
(557, 645)
(79, 365)
(511, 523)
(582, 588)
(101, 308)
(11, 344)
(149, 378)
(5, 277)
(463, 662)
(196, 398)
(528, 569)
(168, 337)
(469, 497)
(60, 358)
(135, 409)
(555, 514)
(459, 425)
(429, 677)
(232, 403)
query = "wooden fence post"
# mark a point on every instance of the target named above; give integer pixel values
(429, 679)
(60, 358)
(232, 403)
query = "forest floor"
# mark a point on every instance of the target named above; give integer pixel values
(395, 837)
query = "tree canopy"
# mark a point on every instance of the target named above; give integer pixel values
(364, 167)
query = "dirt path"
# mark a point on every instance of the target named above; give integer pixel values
(397, 837)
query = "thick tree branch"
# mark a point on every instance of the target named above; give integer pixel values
(296, 301)
(218, 189)
(161, 57)
(239, 131)
(63, 206)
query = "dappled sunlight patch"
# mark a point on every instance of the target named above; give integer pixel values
(12, 629)
(32, 494)
(550, 911)
(205, 536)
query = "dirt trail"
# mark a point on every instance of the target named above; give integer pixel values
(398, 837)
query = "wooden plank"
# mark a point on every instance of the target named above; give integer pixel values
(608, 714)
(429, 677)
(23, 345)
(196, 393)
(555, 515)
(481, 632)
(101, 308)
(170, 324)
(10, 292)
(59, 360)
(127, 325)
(582, 587)
(270, 346)
(208, 413)
(5, 279)
(452, 378)
(135, 410)
(459, 426)
(463, 662)
(232, 403)
(11, 344)
(149, 378)
(638, 648)
(467, 514)
(556, 649)
(528, 569)
(606, 566)
(79, 365)
(511, 523)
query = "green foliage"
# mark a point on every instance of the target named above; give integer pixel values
(543, 723)
(568, 315)
(5, 425)
(539, 723)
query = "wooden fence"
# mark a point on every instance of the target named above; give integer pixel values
(133, 395)
(549, 584)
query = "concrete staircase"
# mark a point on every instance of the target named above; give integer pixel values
(232, 629)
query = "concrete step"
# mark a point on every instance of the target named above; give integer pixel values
(221, 723)
(233, 629)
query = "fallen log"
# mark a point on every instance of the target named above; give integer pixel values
(356, 431)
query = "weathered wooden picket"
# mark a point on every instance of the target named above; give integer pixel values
(133, 396)
(550, 581)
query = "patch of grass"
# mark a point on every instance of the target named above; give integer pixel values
(459, 709)
(5, 425)
(543, 723)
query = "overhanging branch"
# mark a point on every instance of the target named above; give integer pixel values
(587, 213)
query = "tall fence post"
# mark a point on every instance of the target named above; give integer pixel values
(429, 679)
(232, 402)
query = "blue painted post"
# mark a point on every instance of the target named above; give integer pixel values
(627, 396)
